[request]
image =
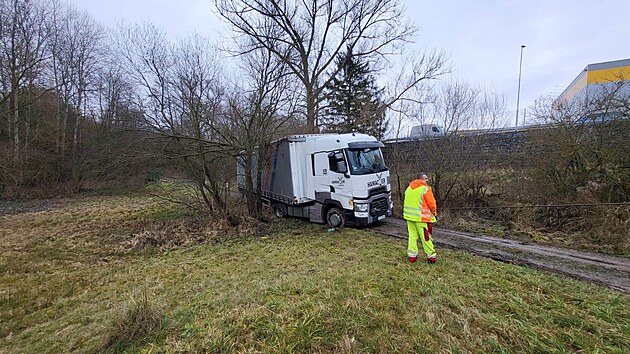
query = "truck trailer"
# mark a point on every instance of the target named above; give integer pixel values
(338, 179)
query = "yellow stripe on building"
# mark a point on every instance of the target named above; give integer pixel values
(609, 75)
(576, 86)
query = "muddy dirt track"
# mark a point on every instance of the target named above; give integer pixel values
(609, 271)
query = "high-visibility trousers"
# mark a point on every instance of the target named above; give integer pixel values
(420, 230)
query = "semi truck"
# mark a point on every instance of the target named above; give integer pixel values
(338, 179)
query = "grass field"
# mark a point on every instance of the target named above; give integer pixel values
(133, 274)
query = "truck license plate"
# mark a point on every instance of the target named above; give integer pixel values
(381, 217)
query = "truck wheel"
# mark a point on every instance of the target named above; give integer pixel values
(280, 210)
(335, 217)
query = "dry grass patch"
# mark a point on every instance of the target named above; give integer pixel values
(293, 288)
(611, 234)
(138, 319)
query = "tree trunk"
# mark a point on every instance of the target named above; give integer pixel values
(202, 190)
(64, 122)
(16, 126)
(263, 157)
(78, 122)
(250, 194)
(311, 111)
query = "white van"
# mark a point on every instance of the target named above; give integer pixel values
(426, 131)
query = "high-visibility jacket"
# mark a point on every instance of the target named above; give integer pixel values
(420, 203)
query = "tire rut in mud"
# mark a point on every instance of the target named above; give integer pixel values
(609, 271)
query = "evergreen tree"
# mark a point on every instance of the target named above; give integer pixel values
(353, 100)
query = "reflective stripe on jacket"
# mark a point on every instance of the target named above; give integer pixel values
(419, 203)
(413, 198)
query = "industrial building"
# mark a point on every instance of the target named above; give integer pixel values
(598, 91)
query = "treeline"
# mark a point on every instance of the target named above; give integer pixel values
(83, 106)
(88, 107)
(67, 113)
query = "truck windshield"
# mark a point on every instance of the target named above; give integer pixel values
(365, 161)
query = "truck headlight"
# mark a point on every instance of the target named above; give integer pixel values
(361, 207)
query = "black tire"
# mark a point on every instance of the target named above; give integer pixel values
(280, 210)
(335, 217)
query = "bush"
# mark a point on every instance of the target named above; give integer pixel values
(153, 176)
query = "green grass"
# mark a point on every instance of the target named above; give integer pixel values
(70, 283)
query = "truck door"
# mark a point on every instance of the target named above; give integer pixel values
(320, 173)
(337, 174)
(329, 175)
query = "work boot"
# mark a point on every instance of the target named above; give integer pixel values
(413, 259)
(431, 260)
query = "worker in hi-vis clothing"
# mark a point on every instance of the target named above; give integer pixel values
(420, 211)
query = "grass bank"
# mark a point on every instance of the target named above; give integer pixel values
(84, 278)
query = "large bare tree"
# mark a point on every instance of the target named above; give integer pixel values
(308, 35)
(22, 56)
(259, 109)
(180, 93)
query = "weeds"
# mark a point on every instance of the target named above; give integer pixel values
(595, 230)
(133, 324)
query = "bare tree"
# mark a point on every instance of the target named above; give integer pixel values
(198, 98)
(410, 91)
(75, 42)
(454, 158)
(180, 94)
(411, 82)
(580, 152)
(491, 110)
(114, 96)
(308, 35)
(259, 113)
(22, 54)
(50, 55)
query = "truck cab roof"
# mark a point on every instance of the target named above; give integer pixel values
(336, 141)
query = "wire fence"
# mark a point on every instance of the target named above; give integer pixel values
(579, 205)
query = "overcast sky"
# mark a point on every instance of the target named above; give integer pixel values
(482, 37)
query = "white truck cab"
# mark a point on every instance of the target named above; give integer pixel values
(339, 179)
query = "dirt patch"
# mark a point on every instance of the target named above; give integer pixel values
(609, 271)
(32, 206)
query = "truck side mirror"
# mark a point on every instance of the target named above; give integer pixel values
(337, 163)
(341, 166)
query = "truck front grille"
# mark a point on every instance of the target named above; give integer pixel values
(378, 207)
(377, 190)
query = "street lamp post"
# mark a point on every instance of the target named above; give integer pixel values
(518, 95)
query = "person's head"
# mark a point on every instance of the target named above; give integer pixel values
(423, 177)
